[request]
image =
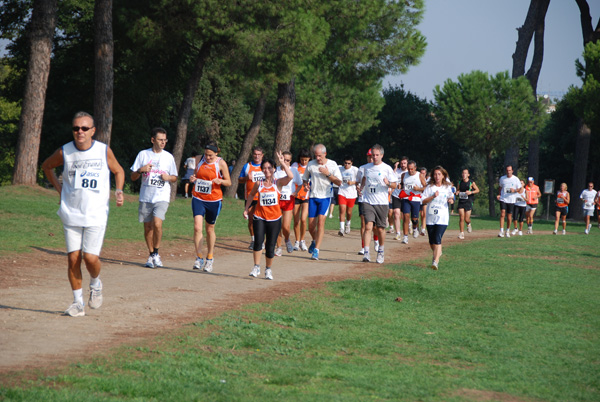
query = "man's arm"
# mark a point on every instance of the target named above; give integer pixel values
(53, 161)
(119, 173)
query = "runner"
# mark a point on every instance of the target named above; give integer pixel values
(413, 185)
(158, 170)
(520, 207)
(509, 186)
(438, 194)
(318, 178)
(563, 199)
(465, 191)
(423, 209)
(400, 168)
(347, 195)
(210, 174)
(361, 212)
(250, 174)
(532, 195)
(597, 202)
(190, 166)
(84, 200)
(588, 196)
(301, 202)
(286, 203)
(267, 213)
(377, 178)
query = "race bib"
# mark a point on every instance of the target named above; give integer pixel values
(203, 186)
(588, 205)
(519, 199)
(408, 187)
(257, 176)
(347, 177)
(285, 197)
(154, 180)
(268, 199)
(560, 200)
(86, 180)
(463, 195)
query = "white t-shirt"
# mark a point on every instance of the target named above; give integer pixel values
(320, 185)
(375, 191)
(347, 190)
(289, 189)
(506, 183)
(588, 197)
(520, 199)
(190, 166)
(437, 209)
(154, 189)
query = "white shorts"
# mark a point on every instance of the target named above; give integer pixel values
(588, 212)
(89, 239)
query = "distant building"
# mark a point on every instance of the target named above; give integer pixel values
(545, 99)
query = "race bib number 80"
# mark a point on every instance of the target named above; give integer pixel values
(86, 180)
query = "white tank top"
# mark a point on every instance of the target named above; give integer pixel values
(410, 182)
(86, 186)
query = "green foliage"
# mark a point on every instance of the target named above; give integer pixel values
(9, 125)
(585, 100)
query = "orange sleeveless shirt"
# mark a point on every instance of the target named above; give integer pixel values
(561, 196)
(302, 194)
(204, 188)
(267, 206)
(531, 194)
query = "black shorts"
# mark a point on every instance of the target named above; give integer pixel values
(564, 211)
(361, 210)
(519, 213)
(298, 201)
(396, 203)
(334, 199)
(435, 233)
(467, 206)
(510, 208)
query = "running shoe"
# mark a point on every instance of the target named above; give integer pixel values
(315, 254)
(75, 310)
(361, 251)
(268, 274)
(515, 231)
(157, 261)
(199, 263)
(380, 258)
(312, 247)
(564, 232)
(278, 251)
(415, 233)
(398, 237)
(251, 246)
(303, 245)
(587, 231)
(501, 234)
(469, 228)
(422, 232)
(434, 265)
(341, 233)
(507, 234)
(347, 229)
(554, 232)
(297, 246)
(367, 257)
(255, 271)
(405, 239)
(330, 216)
(208, 266)
(95, 296)
(520, 233)
(391, 229)
(150, 262)
(289, 246)
(461, 235)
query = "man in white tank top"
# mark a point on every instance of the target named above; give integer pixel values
(84, 197)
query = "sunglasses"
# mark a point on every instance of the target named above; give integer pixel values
(82, 128)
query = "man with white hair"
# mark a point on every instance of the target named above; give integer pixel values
(318, 178)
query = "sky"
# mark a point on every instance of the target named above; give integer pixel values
(467, 35)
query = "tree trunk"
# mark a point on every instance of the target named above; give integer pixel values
(43, 22)
(533, 164)
(104, 75)
(587, 31)
(491, 183)
(582, 150)
(286, 106)
(186, 108)
(248, 143)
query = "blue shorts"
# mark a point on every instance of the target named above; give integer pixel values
(318, 206)
(411, 207)
(435, 233)
(208, 209)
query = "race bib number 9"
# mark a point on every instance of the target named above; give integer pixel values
(203, 186)
(463, 195)
(155, 180)
(86, 180)
(268, 199)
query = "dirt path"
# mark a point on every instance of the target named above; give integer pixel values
(141, 302)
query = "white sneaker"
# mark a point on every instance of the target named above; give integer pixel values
(150, 262)
(297, 246)
(208, 265)
(341, 233)
(398, 237)
(564, 232)
(95, 296)
(251, 245)
(376, 245)
(379, 259)
(347, 229)
(409, 226)
(554, 232)
(422, 232)
(278, 251)
(461, 235)
(361, 251)
(199, 263)
(405, 239)
(289, 246)
(303, 245)
(391, 229)
(415, 233)
(434, 265)
(501, 234)
(367, 257)
(255, 271)
(268, 274)
(507, 233)
(75, 310)
(469, 228)
(157, 261)
(330, 216)
(520, 233)
(587, 231)
(515, 231)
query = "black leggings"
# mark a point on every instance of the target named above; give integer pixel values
(519, 214)
(269, 228)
